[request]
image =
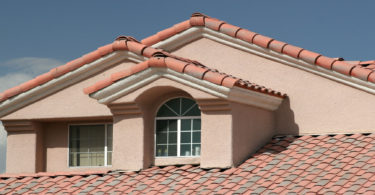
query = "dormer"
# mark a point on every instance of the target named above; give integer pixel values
(172, 111)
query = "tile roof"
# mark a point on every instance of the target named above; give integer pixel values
(316, 164)
(360, 71)
(121, 43)
(186, 66)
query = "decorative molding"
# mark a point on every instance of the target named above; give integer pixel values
(130, 108)
(66, 80)
(11, 126)
(138, 80)
(209, 105)
(194, 33)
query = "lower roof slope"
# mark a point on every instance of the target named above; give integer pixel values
(316, 164)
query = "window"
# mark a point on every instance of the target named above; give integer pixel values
(90, 145)
(178, 129)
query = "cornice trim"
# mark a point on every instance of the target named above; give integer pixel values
(138, 80)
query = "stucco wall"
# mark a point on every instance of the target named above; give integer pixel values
(56, 146)
(316, 105)
(70, 102)
(21, 152)
(3, 142)
(252, 128)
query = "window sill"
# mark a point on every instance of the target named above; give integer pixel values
(165, 161)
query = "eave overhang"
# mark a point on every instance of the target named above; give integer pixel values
(214, 83)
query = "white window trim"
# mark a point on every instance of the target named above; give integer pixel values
(105, 147)
(178, 118)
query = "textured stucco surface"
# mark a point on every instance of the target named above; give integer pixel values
(316, 105)
(70, 102)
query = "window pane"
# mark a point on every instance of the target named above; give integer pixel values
(172, 125)
(83, 159)
(197, 124)
(186, 137)
(196, 150)
(87, 144)
(161, 138)
(72, 159)
(185, 150)
(109, 137)
(109, 158)
(186, 105)
(194, 111)
(185, 124)
(197, 137)
(97, 159)
(174, 104)
(165, 111)
(161, 150)
(161, 125)
(172, 150)
(172, 138)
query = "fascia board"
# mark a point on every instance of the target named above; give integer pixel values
(194, 33)
(66, 80)
(255, 99)
(138, 80)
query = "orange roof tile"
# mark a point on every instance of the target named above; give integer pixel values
(363, 70)
(186, 66)
(290, 164)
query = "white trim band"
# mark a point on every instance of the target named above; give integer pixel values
(138, 80)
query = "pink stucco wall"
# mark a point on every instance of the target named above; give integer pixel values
(70, 102)
(316, 105)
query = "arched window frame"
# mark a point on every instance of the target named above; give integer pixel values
(179, 120)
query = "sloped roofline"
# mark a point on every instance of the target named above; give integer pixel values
(359, 74)
(122, 43)
(122, 48)
(188, 72)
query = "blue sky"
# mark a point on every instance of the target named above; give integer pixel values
(36, 36)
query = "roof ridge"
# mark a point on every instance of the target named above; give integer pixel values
(199, 19)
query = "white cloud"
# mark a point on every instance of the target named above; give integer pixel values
(13, 79)
(31, 65)
(20, 70)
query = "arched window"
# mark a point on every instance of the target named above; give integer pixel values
(178, 129)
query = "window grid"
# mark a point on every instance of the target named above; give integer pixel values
(90, 153)
(179, 131)
(178, 110)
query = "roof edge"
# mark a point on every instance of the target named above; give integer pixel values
(334, 64)
(190, 73)
(121, 43)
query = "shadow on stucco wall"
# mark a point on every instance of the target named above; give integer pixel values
(285, 121)
(3, 140)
